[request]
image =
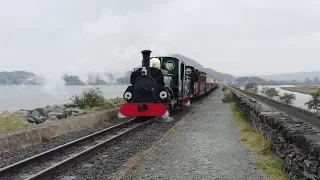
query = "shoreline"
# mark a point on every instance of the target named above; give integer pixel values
(11, 121)
(64, 85)
(66, 104)
(303, 90)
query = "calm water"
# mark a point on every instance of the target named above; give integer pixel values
(28, 97)
(301, 99)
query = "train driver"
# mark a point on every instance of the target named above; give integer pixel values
(155, 68)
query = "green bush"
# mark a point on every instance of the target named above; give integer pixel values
(264, 90)
(227, 98)
(253, 90)
(272, 92)
(287, 98)
(224, 88)
(314, 103)
(93, 99)
(89, 98)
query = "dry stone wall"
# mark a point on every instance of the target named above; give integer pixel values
(296, 143)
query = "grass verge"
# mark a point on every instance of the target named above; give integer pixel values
(12, 122)
(270, 164)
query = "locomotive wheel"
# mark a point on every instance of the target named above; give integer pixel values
(175, 108)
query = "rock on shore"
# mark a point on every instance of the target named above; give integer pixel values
(50, 113)
(56, 112)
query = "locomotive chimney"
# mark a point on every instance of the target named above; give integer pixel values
(146, 60)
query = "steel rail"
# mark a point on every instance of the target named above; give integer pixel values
(25, 162)
(63, 165)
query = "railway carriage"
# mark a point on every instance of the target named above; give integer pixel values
(210, 85)
(201, 83)
(216, 82)
(197, 81)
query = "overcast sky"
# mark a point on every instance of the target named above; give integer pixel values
(230, 36)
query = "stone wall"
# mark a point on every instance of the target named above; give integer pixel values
(49, 130)
(296, 143)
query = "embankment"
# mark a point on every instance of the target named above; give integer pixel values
(289, 109)
(52, 129)
(296, 143)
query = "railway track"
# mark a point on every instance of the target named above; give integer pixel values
(314, 123)
(47, 164)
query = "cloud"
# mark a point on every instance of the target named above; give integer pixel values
(237, 37)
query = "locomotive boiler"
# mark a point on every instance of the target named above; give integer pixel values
(147, 96)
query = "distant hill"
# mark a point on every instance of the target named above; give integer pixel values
(97, 78)
(72, 80)
(250, 79)
(299, 76)
(28, 78)
(19, 77)
(220, 76)
(259, 81)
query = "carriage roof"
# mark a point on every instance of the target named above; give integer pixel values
(159, 57)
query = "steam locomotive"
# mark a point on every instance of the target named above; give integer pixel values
(162, 85)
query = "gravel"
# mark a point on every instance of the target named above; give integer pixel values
(106, 163)
(206, 146)
(11, 157)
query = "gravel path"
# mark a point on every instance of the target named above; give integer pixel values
(206, 146)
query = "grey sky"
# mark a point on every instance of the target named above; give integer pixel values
(231, 36)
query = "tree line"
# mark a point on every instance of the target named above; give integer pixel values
(286, 98)
(315, 80)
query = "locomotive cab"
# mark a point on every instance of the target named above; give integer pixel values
(191, 75)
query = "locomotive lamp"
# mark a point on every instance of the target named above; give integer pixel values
(144, 71)
(127, 95)
(163, 94)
